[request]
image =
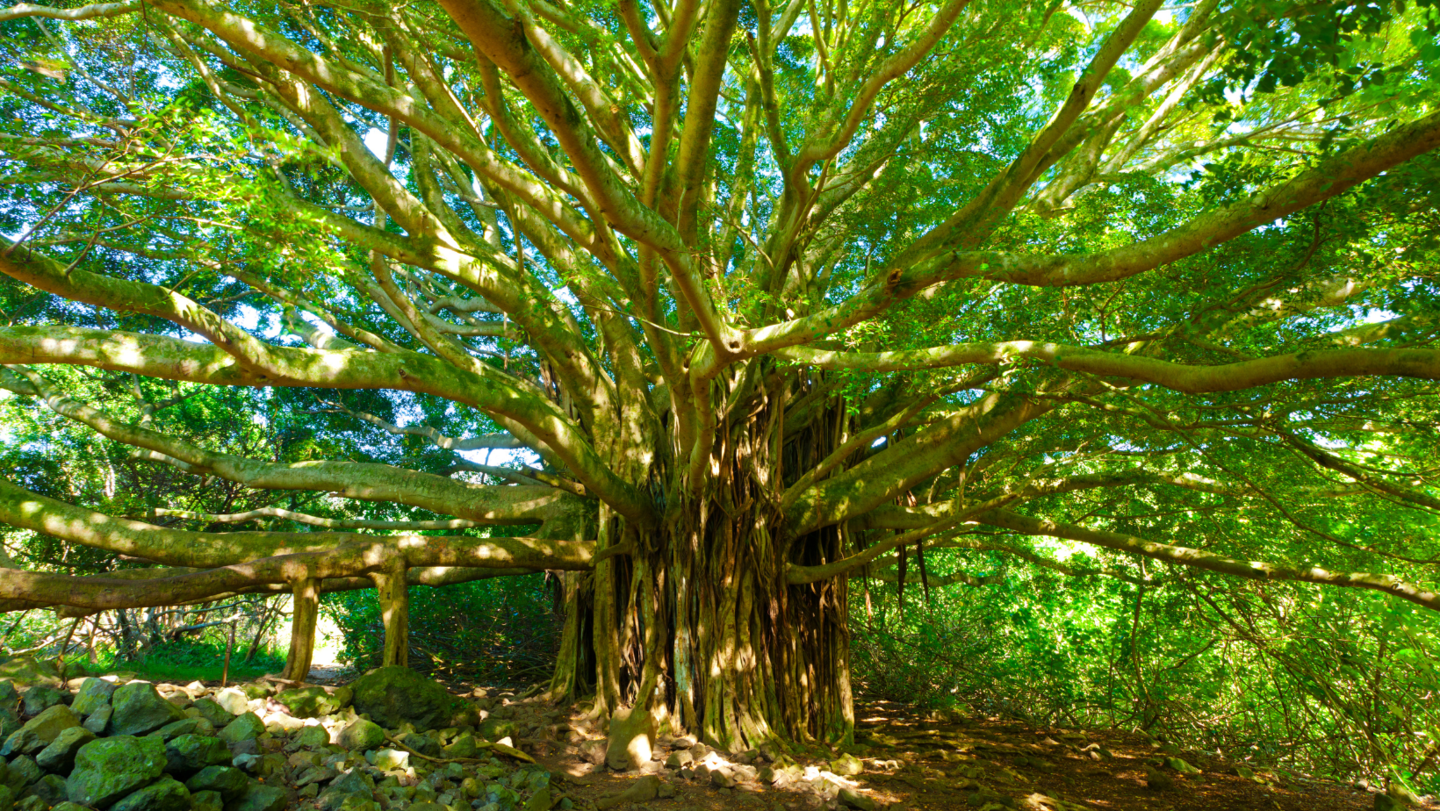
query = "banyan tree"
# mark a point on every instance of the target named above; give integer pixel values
(724, 312)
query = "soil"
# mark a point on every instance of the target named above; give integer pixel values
(916, 762)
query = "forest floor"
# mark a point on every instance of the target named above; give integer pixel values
(914, 762)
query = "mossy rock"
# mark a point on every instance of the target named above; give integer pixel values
(110, 768)
(29, 670)
(393, 696)
(313, 702)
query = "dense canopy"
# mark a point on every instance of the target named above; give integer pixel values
(710, 308)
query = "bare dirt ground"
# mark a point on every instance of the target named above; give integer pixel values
(917, 763)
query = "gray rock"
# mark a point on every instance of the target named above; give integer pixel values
(23, 772)
(164, 794)
(29, 670)
(217, 715)
(40, 731)
(188, 754)
(249, 763)
(493, 729)
(50, 788)
(260, 797)
(352, 784)
(42, 697)
(389, 759)
(186, 726)
(313, 702)
(139, 708)
(109, 768)
(59, 756)
(314, 774)
(847, 765)
(463, 746)
(393, 696)
(232, 701)
(248, 747)
(93, 694)
(9, 721)
(227, 780)
(99, 719)
(424, 744)
(310, 737)
(361, 735)
(207, 801)
(246, 727)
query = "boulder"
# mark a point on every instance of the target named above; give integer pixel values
(99, 719)
(9, 721)
(228, 780)
(390, 759)
(23, 772)
(188, 754)
(463, 746)
(246, 727)
(110, 768)
(393, 696)
(59, 756)
(217, 715)
(9, 696)
(255, 689)
(232, 701)
(138, 709)
(40, 731)
(260, 797)
(311, 737)
(354, 783)
(361, 735)
(185, 726)
(29, 670)
(93, 694)
(424, 744)
(50, 788)
(313, 702)
(42, 697)
(7, 798)
(847, 765)
(493, 729)
(207, 801)
(164, 794)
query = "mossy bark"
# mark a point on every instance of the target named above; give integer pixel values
(302, 629)
(392, 590)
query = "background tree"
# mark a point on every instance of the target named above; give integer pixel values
(760, 294)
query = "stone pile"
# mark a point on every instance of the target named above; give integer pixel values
(394, 741)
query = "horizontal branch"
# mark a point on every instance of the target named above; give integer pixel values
(1185, 556)
(315, 520)
(1418, 363)
(24, 509)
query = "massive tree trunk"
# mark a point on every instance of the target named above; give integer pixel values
(696, 623)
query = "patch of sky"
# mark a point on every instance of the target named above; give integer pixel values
(376, 140)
